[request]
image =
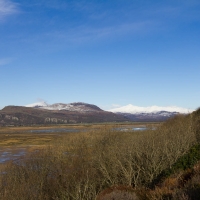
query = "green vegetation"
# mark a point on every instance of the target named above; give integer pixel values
(196, 124)
(186, 161)
(105, 164)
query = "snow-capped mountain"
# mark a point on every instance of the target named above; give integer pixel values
(152, 109)
(43, 113)
(152, 113)
(130, 112)
(74, 107)
(37, 105)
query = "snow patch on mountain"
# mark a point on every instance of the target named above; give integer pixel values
(151, 109)
(37, 105)
(74, 107)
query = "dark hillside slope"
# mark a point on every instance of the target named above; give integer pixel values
(19, 115)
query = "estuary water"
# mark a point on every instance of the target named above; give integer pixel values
(14, 153)
(131, 128)
(8, 154)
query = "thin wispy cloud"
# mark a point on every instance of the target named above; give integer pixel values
(41, 100)
(7, 8)
(81, 34)
(104, 24)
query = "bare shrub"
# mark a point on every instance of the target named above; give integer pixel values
(80, 166)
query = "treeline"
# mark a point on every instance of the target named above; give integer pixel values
(106, 164)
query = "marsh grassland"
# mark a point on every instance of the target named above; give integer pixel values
(101, 162)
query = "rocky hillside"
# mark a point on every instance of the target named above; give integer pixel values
(22, 116)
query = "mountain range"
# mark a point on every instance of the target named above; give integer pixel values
(151, 109)
(152, 113)
(78, 112)
(43, 114)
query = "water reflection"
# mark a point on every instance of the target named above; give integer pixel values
(131, 129)
(139, 128)
(11, 154)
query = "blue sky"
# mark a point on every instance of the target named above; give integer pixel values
(108, 53)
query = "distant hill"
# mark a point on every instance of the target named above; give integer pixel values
(56, 114)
